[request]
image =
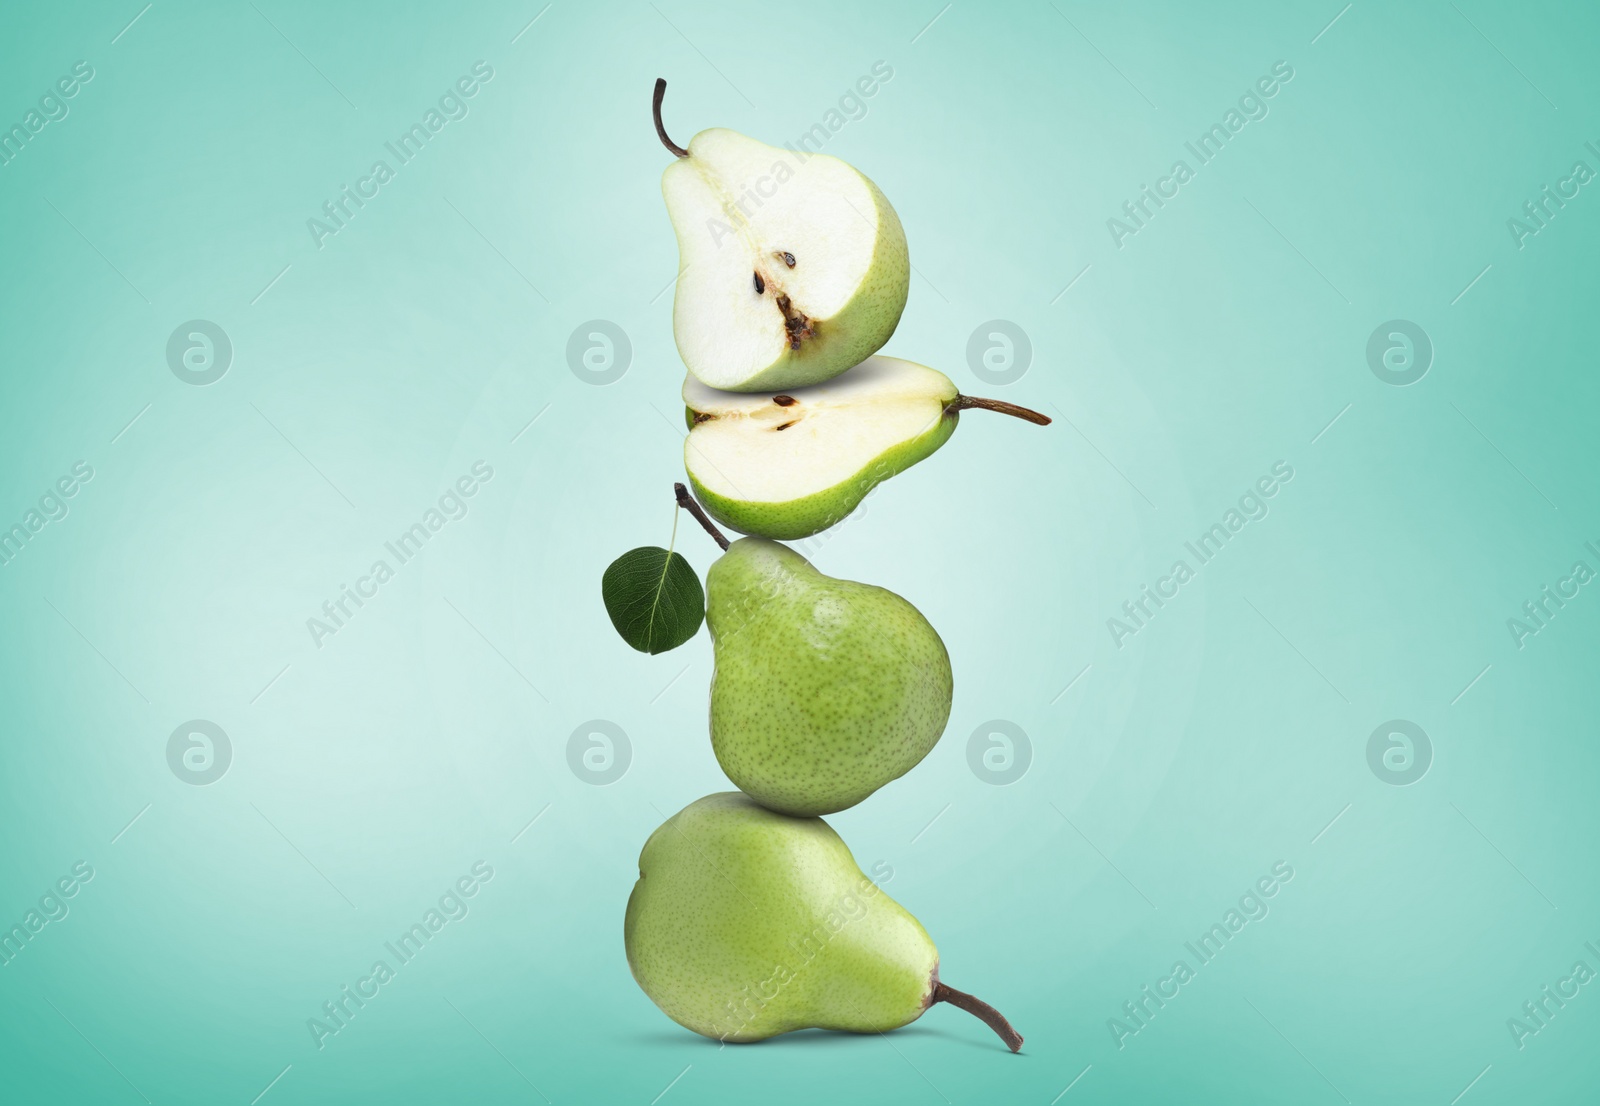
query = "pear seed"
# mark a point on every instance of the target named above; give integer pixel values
(761, 285)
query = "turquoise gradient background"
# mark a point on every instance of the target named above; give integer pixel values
(372, 771)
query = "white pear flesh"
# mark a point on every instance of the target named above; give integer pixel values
(741, 210)
(789, 464)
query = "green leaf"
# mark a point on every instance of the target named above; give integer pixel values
(654, 599)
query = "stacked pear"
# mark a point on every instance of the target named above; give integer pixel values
(750, 917)
(789, 464)
(745, 924)
(791, 267)
(824, 689)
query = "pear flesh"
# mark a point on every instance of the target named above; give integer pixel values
(824, 689)
(790, 464)
(746, 923)
(792, 267)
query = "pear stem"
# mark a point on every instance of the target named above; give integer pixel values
(963, 403)
(655, 110)
(980, 1009)
(686, 501)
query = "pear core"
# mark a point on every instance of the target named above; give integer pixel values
(788, 463)
(792, 266)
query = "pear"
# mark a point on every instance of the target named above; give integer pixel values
(745, 924)
(824, 689)
(792, 267)
(787, 464)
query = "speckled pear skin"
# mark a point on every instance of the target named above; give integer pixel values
(824, 689)
(745, 924)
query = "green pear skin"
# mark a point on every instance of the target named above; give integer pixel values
(824, 689)
(814, 513)
(852, 332)
(791, 463)
(790, 520)
(792, 267)
(745, 924)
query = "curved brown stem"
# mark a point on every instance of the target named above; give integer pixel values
(655, 110)
(980, 1009)
(964, 403)
(686, 501)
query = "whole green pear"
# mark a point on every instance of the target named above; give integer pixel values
(824, 689)
(746, 923)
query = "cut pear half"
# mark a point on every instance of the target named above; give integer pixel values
(790, 464)
(792, 266)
